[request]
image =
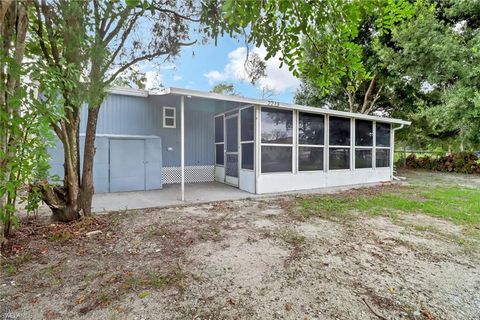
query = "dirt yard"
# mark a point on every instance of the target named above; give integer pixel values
(248, 259)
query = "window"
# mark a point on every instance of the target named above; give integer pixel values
(247, 132)
(219, 141)
(363, 144)
(219, 129)
(339, 158)
(276, 140)
(219, 154)
(383, 158)
(311, 140)
(310, 159)
(277, 126)
(383, 134)
(276, 159)
(339, 143)
(363, 133)
(339, 131)
(169, 114)
(363, 158)
(382, 142)
(247, 124)
(247, 156)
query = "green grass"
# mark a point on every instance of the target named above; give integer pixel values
(461, 205)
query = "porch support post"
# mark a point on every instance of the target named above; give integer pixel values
(182, 144)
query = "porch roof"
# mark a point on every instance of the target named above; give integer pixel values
(240, 99)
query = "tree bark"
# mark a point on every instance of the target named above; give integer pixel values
(88, 157)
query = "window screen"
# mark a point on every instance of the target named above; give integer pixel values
(339, 158)
(310, 158)
(276, 159)
(247, 124)
(363, 133)
(219, 154)
(339, 131)
(311, 129)
(247, 155)
(383, 134)
(276, 126)
(383, 158)
(232, 134)
(219, 129)
(363, 158)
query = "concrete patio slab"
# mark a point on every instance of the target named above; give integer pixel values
(168, 196)
(194, 193)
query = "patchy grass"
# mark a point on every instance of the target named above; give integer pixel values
(460, 205)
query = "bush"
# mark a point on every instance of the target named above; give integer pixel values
(462, 162)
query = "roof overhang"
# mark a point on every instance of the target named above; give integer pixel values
(244, 100)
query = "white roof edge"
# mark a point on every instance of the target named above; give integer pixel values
(128, 91)
(217, 96)
(240, 99)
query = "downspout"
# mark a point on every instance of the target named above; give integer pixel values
(392, 177)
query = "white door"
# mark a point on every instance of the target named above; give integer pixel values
(231, 150)
(127, 165)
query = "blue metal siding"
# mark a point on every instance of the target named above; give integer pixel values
(128, 115)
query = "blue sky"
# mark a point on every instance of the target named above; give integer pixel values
(200, 67)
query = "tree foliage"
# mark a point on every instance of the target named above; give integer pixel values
(319, 41)
(24, 133)
(437, 52)
(84, 46)
(224, 88)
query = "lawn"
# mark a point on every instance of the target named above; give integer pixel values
(401, 251)
(458, 204)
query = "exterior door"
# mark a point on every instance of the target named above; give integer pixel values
(127, 165)
(231, 150)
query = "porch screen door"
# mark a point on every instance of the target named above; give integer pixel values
(231, 154)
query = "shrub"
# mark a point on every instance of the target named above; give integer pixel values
(461, 162)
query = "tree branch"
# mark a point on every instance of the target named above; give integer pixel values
(143, 58)
(368, 93)
(39, 32)
(178, 15)
(48, 24)
(120, 46)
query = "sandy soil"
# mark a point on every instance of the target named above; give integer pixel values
(249, 259)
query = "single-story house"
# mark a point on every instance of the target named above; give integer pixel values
(146, 140)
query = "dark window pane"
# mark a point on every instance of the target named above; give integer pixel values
(169, 112)
(339, 131)
(363, 158)
(219, 129)
(383, 158)
(363, 133)
(383, 134)
(247, 124)
(231, 167)
(310, 128)
(339, 158)
(276, 126)
(169, 122)
(310, 158)
(247, 156)
(232, 134)
(276, 159)
(219, 154)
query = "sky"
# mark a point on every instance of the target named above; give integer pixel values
(200, 67)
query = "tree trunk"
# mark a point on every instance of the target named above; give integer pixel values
(88, 157)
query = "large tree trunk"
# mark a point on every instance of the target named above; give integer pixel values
(88, 157)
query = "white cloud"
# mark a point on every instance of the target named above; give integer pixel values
(177, 77)
(154, 80)
(277, 79)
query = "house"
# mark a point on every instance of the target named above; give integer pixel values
(146, 140)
